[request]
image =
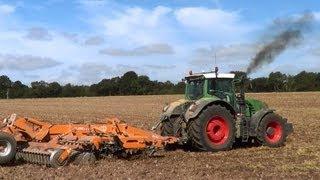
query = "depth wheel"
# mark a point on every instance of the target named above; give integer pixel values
(212, 130)
(8, 148)
(272, 131)
(57, 160)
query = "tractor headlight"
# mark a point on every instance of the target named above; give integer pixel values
(165, 108)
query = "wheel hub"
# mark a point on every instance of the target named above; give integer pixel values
(270, 131)
(217, 130)
(5, 148)
(274, 131)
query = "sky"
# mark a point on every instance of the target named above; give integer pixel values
(84, 41)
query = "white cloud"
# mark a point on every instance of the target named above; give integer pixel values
(6, 9)
(198, 17)
(136, 25)
(92, 72)
(159, 67)
(317, 16)
(38, 33)
(70, 36)
(229, 56)
(151, 49)
(94, 41)
(26, 62)
(215, 23)
(316, 51)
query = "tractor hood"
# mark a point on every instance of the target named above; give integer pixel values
(255, 105)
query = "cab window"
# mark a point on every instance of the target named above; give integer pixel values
(224, 85)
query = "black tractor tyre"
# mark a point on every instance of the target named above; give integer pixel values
(172, 127)
(167, 128)
(8, 148)
(272, 130)
(212, 130)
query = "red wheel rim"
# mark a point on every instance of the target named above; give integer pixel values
(273, 132)
(217, 130)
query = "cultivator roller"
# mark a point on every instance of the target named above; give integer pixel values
(34, 141)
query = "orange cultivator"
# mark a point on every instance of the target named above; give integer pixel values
(55, 145)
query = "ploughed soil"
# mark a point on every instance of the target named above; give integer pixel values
(299, 159)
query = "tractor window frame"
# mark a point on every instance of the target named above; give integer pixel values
(199, 89)
(230, 85)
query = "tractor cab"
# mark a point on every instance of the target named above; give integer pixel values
(210, 85)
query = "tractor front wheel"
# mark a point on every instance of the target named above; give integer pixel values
(213, 129)
(172, 127)
(272, 130)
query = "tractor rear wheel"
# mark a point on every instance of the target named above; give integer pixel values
(213, 129)
(8, 148)
(272, 131)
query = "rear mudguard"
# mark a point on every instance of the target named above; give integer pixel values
(196, 107)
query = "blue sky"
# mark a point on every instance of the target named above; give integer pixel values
(84, 41)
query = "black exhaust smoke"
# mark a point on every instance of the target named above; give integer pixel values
(289, 33)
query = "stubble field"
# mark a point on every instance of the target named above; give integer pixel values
(299, 159)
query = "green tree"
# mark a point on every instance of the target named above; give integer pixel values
(54, 89)
(179, 88)
(39, 89)
(260, 84)
(75, 91)
(5, 85)
(290, 84)
(277, 81)
(317, 83)
(305, 81)
(18, 90)
(129, 83)
(144, 85)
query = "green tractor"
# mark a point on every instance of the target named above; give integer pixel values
(213, 116)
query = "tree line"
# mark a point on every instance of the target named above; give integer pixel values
(132, 84)
(280, 82)
(128, 84)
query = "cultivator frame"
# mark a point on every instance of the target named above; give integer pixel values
(55, 145)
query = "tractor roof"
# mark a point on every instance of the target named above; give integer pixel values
(209, 75)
